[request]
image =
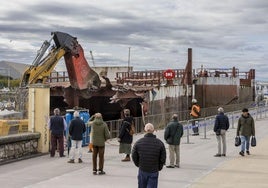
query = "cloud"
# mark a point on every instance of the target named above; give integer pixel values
(159, 32)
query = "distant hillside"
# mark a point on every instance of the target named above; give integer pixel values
(16, 69)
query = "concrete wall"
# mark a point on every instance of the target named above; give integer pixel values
(14, 147)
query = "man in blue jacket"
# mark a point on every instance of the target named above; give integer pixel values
(220, 127)
(57, 125)
(172, 135)
(76, 130)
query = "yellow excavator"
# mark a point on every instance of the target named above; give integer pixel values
(81, 76)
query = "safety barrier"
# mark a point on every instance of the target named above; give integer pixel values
(205, 124)
(8, 127)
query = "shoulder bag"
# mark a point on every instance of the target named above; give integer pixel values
(253, 141)
(237, 141)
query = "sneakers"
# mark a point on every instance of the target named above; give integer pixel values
(80, 160)
(223, 155)
(71, 161)
(170, 166)
(177, 166)
(126, 159)
(217, 155)
(101, 172)
(248, 152)
(241, 153)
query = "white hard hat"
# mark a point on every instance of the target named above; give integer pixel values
(194, 101)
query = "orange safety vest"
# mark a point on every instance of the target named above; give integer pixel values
(194, 110)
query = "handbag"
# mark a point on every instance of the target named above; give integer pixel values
(253, 141)
(237, 141)
(170, 140)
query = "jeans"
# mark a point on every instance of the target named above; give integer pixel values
(147, 179)
(195, 126)
(174, 150)
(244, 143)
(221, 138)
(76, 144)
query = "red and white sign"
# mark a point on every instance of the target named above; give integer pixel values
(169, 74)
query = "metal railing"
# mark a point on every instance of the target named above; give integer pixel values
(205, 124)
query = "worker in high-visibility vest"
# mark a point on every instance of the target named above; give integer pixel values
(195, 114)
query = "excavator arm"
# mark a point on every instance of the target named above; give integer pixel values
(81, 76)
(40, 74)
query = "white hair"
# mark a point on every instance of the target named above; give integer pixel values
(194, 101)
(220, 109)
(76, 114)
(149, 128)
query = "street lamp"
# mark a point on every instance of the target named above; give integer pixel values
(8, 78)
(128, 60)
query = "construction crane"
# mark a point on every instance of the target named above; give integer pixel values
(92, 58)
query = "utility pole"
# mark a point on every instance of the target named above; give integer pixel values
(8, 78)
(128, 66)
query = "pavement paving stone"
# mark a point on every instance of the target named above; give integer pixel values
(199, 168)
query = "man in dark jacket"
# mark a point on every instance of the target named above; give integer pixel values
(57, 125)
(220, 127)
(149, 154)
(125, 138)
(173, 134)
(246, 129)
(76, 130)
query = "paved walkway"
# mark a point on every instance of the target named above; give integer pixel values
(198, 167)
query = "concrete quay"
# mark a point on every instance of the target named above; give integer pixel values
(199, 168)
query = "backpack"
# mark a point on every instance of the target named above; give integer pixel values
(132, 128)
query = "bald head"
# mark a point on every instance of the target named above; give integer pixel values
(175, 116)
(98, 115)
(149, 128)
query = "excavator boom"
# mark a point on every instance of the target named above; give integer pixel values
(81, 76)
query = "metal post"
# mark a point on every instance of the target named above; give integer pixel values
(188, 133)
(128, 65)
(233, 120)
(205, 129)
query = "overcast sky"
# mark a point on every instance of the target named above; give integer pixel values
(222, 34)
